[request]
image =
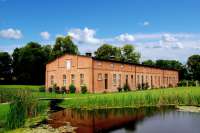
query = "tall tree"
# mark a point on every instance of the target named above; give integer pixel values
(148, 62)
(62, 46)
(107, 51)
(5, 67)
(29, 63)
(193, 64)
(129, 54)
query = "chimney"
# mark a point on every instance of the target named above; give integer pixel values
(88, 54)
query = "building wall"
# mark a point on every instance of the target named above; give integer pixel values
(79, 65)
(98, 73)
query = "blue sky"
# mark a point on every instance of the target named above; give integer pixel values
(160, 29)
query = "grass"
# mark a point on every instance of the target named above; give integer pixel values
(24, 104)
(172, 96)
(32, 87)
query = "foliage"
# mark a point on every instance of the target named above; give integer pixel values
(119, 89)
(129, 54)
(106, 51)
(149, 63)
(126, 53)
(62, 46)
(126, 87)
(29, 63)
(42, 89)
(193, 64)
(63, 90)
(5, 67)
(83, 89)
(72, 88)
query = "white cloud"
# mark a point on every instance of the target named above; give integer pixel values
(11, 34)
(146, 23)
(45, 35)
(168, 38)
(125, 38)
(85, 36)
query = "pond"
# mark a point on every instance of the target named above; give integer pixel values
(128, 120)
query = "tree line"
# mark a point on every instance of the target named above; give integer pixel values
(26, 65)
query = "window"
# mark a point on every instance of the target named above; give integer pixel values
(52, 79)
(100, 76)
(114, 79)
(68, 64)
(138, 79)
(112, 65)
(72, 79)
(119, 78)
(81, 79)
(64, 80)
(122, 66)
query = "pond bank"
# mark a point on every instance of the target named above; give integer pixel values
(193, 109)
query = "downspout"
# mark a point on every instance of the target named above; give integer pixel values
(92, 76)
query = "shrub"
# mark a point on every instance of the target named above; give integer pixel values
(145, 86)
(119, 89)
(42, 89)
(126, 87)
(57, 89)
(191, 83)
(63, 90)
(50, 89)
(139, 86)
(83, 89)
(72, 88)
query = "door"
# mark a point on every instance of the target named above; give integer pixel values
(106, 81)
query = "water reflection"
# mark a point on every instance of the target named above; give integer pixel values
(104, 120)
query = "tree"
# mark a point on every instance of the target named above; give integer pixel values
(29, 63)
(129, 54)
(5, 67)
(173, 64)
(126, 53)
(149, 63)
(107, 51)
(193, 64)
(62, 46)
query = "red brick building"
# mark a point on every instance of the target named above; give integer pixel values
(105, 75)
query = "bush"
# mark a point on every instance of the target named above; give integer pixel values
(191, 83)
(63, 90)
(126, 87)
(139, 86)
(57, 89)
(83, 89)
(145, 86)
(72, 88)
(50, 89)
(119, 89)
(182, 83)
(42, 89)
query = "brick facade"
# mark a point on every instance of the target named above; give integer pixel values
(105, 75)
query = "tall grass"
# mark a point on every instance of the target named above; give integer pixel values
(173, 96)
(23, 105)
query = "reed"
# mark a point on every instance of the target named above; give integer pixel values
(23, 104)
(173, 96)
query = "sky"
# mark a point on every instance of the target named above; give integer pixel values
(159, 29)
